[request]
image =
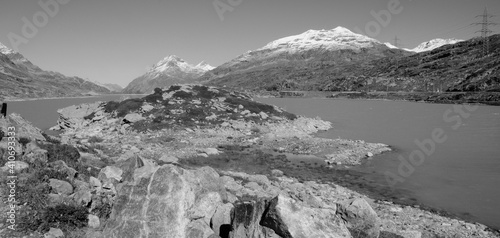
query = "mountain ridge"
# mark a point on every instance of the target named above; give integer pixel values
(21, 79)
(170, 70)
(278, 66)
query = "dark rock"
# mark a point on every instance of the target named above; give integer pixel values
(246, 220)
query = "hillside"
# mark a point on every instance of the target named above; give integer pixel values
(19, 78)
(458, 66)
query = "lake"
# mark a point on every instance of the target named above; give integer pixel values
(460, 173)
(43, 113)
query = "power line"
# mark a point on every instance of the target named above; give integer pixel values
(485, 31)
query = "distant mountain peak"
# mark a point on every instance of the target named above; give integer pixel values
(173, 64)
(204, 65)
(171, 69)
(5, 50)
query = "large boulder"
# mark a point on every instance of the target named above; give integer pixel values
(291, 219)
(360, 217)
(165, 203)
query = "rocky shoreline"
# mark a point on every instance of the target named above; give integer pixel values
(197, 161)
(485, 98)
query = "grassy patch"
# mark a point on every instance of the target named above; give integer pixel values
(64, 217)
(90, 116)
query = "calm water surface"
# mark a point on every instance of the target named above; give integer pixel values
(461, 176)
(43, 113)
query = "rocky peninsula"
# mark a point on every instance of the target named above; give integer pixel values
(197, 161)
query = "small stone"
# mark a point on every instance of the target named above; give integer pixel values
(169, 159)
(61, 187)
(54, 233)
(147, 107)
(133, 117)
(93, 221)
(263, 115)
(16, 165)
(82, 197)
(111, 172)
(211, 151)
(396, 209)
(277, 173)
(369, 154)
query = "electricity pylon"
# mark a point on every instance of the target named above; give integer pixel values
(396, 41)
(485, 31)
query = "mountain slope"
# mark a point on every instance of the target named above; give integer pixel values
(433, 44)
(19, 78)
(168, 71)
(453, 67)
(296, 59)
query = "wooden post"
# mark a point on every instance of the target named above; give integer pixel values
(4, 109)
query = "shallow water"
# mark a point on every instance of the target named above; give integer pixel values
(461, 175)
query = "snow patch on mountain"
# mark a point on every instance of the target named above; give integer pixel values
(5, 50)
(433, 44)
(173, 65)
(390, 45)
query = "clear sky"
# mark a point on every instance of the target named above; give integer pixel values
(114, 41)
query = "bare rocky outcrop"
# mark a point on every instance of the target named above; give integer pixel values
(74, 117)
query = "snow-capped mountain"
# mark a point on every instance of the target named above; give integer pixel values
(336, 39)
(310, 50)
(174, 65)
(433, 44)
(170, 70)
(19, 78)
